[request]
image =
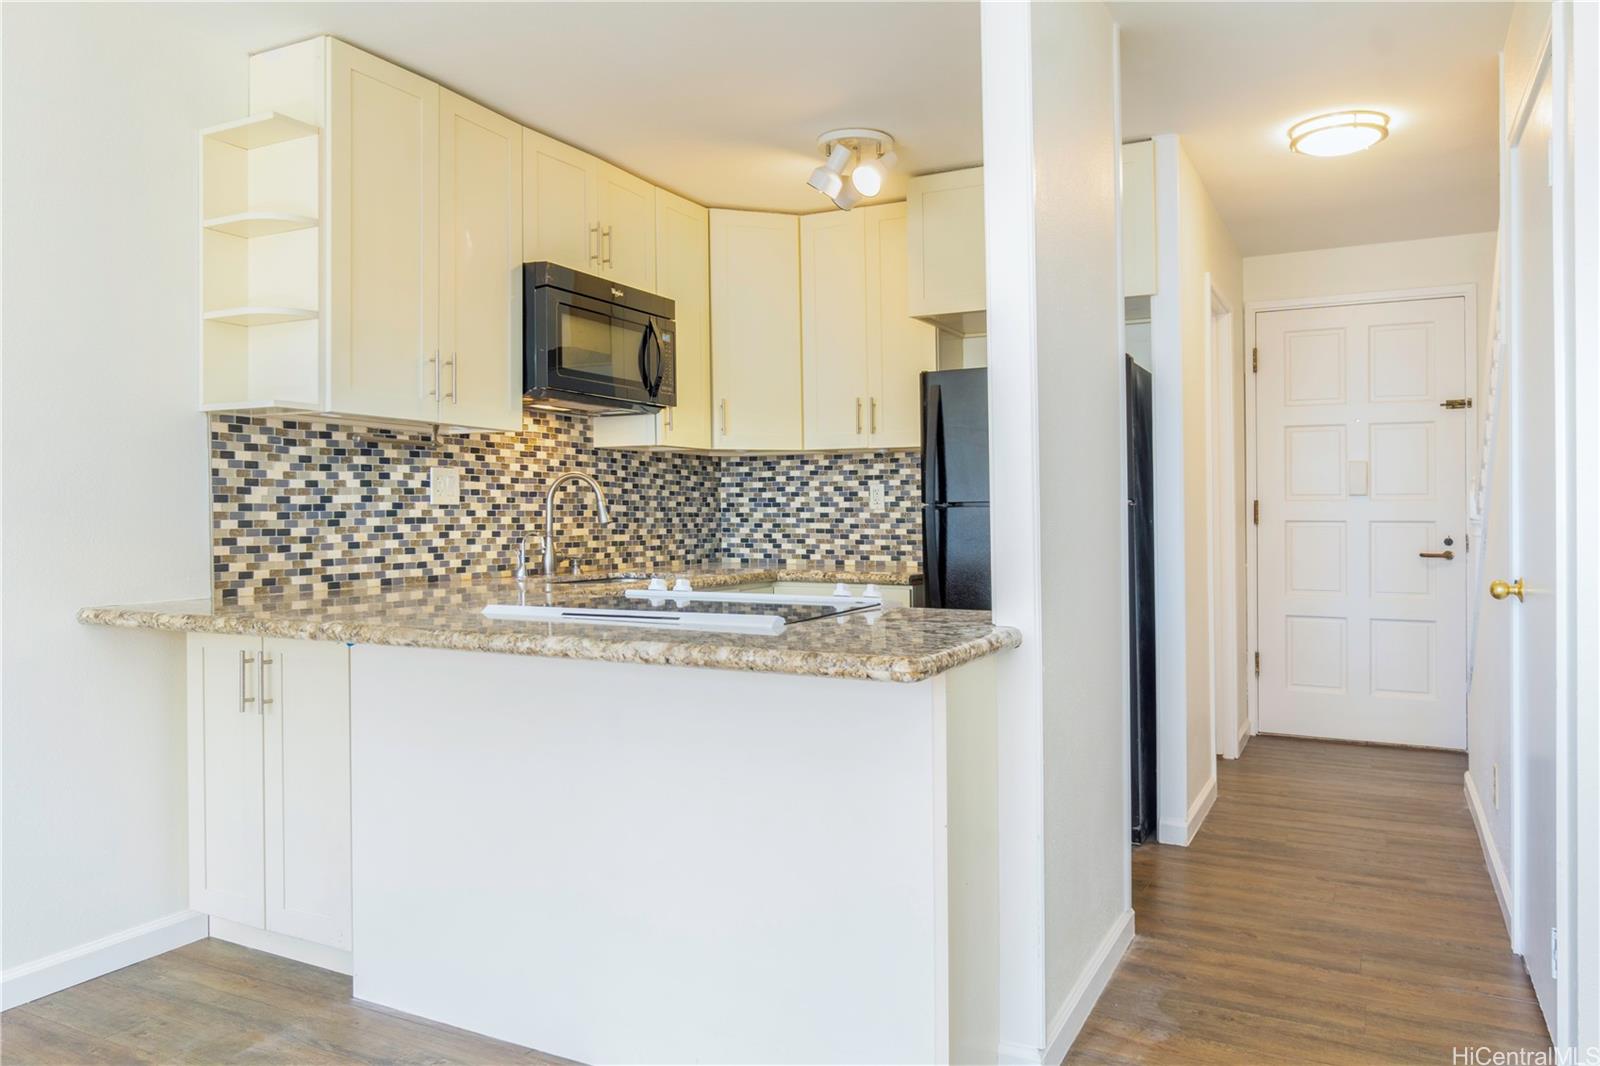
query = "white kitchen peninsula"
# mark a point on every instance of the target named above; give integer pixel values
(620, 844)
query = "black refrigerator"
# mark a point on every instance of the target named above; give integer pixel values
(955, 489)
(1141, 603)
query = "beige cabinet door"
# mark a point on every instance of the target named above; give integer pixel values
(383, 270)
(833, 315)
(899, 347)
(683, 275)
(755, 331)
(305, 709)
(560, 204)
(627, 228)
(945, 243)
(225, 769)
(1139, 218)
(480, 266)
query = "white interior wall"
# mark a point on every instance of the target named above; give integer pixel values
(1056, 397)
(104, 456)
(1193, 243)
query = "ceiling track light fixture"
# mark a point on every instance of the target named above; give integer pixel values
(1338, 132)
(844, 146)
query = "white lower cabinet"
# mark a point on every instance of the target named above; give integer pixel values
(269, 785)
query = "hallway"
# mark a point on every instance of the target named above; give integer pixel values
(1334, 908)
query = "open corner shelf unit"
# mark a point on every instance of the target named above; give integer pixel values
(260, 255)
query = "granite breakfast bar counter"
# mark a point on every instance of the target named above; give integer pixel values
(619, 843)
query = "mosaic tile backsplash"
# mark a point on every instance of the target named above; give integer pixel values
(328, 507)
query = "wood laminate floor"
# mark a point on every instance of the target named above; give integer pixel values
(1334, 908)
(213, 1002)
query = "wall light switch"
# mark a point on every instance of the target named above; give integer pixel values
(875, 501)
(444, 486)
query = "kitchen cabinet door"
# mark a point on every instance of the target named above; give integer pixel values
(899, 347)
(755, 331)
(833, 306)
(305, 714)
(627, 228)
(945, 243)
(383, 268)
(480, 266)
(1139, 218)
(560, 204)
(225, 778)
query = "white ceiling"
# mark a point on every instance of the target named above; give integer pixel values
(721, 103)
(1230, 78)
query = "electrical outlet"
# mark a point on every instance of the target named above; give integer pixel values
(444, 486)
(875, 500)
(1494, 784)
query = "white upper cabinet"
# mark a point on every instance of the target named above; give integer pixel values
(584, 213)
(1139, 218)
(408, 307)
(560, 204)
(683, 275)
(755, 331)
(863, 353)
(899, 347)
(480, 266)
(383, 269)
(627, 228)
(833, 302)
(945, 246)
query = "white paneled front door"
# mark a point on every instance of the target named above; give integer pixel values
(1361, 477)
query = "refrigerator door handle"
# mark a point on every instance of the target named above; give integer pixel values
(933, 556)
(932, 446)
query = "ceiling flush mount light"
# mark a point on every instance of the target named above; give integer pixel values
(873, 152)
(1338, 133)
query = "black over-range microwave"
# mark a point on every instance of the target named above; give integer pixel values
(589, 344)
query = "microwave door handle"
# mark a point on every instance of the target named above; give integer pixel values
(644, 358)
(661, 361)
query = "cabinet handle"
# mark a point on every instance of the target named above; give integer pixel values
(454, 378)
(246, 660)
(594, 237)
(605, 236)
(874, 423)
(724, 418)
(430, 369)
(266, 676)
(669, 417)
(858, 416)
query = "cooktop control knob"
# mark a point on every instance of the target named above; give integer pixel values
(658, 584)
(682, 585)
(871, 592)
(840, 590)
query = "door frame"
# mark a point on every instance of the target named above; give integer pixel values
(1222, 505)
(1469, 292)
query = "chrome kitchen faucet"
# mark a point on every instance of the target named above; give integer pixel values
(549, 540)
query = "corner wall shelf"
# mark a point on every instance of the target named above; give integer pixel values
(258, 131)
(259, 316)
(258, 223)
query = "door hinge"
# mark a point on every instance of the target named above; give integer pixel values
(1555, 947)
(1255, 359)
(1258, 664)
(1255, 513)
(1465, 403)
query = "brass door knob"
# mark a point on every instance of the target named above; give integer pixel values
(1446, 554)
(1501, 589)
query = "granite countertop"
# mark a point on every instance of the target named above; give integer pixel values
(896, 644)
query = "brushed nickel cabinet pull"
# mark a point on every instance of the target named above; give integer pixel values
(246, 660)
(454, 378)
(266, 676)
(594, 237)
(874, 423)
(605, 236)
(858, 416)
(724, 418)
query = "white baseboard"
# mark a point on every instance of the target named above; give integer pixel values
(1491, 854)
(30, 981)
(1170, 831)
(288, 947)
(1068, 1020)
